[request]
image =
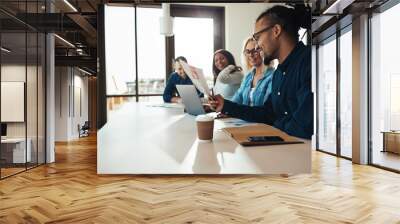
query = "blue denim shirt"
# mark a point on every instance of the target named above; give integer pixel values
(262, 89)
(290, 106)
(170, 89)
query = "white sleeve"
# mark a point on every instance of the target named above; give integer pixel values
(229, 76)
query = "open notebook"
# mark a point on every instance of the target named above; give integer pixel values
(241, 135)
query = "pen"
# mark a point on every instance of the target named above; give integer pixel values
(212, 94)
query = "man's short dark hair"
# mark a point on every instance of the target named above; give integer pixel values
(181, 58)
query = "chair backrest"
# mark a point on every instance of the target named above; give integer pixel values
(86, 125)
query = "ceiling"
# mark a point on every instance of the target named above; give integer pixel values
(76, 21)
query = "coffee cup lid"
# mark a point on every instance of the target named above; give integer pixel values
(204, 117)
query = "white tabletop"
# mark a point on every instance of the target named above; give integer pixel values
(143, 139)
(13, 140)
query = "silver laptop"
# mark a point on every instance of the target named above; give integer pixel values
(190, 99)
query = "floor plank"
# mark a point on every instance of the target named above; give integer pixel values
(70, 191)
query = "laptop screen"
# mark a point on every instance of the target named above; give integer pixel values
(190, 99)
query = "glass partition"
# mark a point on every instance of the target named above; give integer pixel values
(22, 64)
(327, 96)
(32, 98)
(385, 89)
(14, 153)
(41, 107)
(346, 94)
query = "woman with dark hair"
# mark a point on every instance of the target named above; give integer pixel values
(227, 76)
(178, 77)
(290, 105)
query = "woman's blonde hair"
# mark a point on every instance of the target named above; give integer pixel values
(245, 60)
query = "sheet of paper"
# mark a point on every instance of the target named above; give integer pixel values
(167, 105)
(197, 77)
(236, 122)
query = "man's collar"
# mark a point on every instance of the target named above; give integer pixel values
(293, 54)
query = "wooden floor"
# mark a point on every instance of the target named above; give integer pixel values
(5, 172)
(70, 191)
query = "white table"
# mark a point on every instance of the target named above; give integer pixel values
(18, 150)
(140, 139)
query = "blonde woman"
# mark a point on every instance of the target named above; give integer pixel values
(257, 84)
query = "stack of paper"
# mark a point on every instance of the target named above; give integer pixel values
(197, 77)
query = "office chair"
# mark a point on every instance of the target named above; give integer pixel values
(84, 130)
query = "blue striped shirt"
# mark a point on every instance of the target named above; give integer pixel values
(261, 92)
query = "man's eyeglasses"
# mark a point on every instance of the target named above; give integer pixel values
(257, 35)
(253, 51)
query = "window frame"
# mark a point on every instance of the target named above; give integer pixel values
(379, 10)
(332, 36)
(217, 13)
(177, 10)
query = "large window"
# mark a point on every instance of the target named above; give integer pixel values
(335, 73)
(123, 51)
(138, 57)
(151, 54)
(345, 42)
(385, 89)
(195, 30)
(327, 96)
(199, 24)
(120, 50)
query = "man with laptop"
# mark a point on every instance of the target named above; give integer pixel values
(178, 77)
(189, 93)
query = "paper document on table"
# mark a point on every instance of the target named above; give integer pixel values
(234, 122)
(167, 105)
(197, 77)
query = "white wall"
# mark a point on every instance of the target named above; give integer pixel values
(239, 24)
(33, 125)
(71, 87)
(12, 73)
(62, 82)
(79, 117)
